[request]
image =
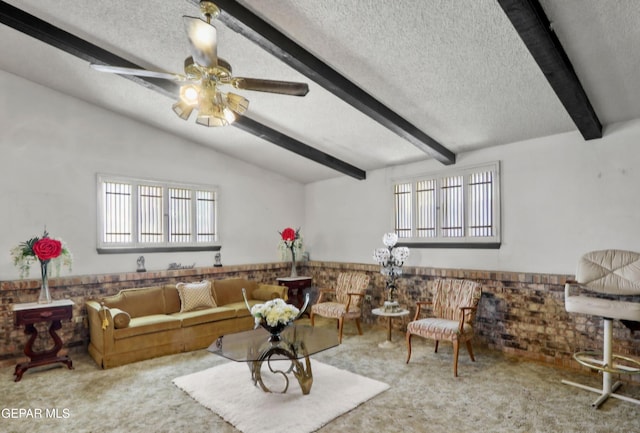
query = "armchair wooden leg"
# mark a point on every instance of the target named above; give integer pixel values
(456, 350)
(436, 350)
(408, 346)
(358, 325)
(311, 318)
(340, 326)
(470, 350)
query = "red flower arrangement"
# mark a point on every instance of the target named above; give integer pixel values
(47, 249)
(44, 249)
(289, 234)
(290, 245)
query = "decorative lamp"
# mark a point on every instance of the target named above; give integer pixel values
(391, 260)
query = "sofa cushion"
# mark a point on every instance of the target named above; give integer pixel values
(147, 325)
(120, 318)
(191, 318)
(229, 290)
(241, 309)
(195, 296)
(142, 302)
(171, 299)
(114, 301)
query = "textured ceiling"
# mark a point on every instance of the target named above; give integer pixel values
(456, 69)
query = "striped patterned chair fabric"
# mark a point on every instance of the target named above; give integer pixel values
(453, 309)
(348, 297)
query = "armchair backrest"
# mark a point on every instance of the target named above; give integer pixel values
(351, 282)
(451, 294)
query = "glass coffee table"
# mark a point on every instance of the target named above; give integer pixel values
(296, 343)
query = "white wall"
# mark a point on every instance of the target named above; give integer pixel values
(561, 196)
(52, 146)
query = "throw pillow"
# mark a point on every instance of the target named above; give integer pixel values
(121, 318)
(194, 296)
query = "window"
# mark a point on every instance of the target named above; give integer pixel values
(454, 208)
(137, 214)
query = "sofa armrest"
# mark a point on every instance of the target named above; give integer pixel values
(267, 292)
(101, 326)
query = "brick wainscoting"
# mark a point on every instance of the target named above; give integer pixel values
(519, 313)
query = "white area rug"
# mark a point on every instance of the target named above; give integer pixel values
(229, 391)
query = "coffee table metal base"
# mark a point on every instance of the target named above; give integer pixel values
(302, 373)
(268, 355)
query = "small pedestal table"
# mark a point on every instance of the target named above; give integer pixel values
(381, 312)
(30, 313)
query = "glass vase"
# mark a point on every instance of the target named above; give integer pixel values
(274, 331)
(45, 295)
(294, 272)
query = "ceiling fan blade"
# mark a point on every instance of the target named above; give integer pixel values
(138, 72)
(271, 86)
(203, 40)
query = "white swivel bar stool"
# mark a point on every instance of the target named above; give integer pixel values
(605, 282)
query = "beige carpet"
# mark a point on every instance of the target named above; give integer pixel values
(494, 394)
(251, 410)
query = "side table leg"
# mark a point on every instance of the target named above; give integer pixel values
(28, 350)
(388, 344)
(37, 359)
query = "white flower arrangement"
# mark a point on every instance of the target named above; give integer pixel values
(274, 312)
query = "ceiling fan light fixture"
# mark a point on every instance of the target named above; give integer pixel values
(237, 103)
(189, 94)
(212, 120)
(229, 115)
(209, 10)
(212, 109)
(182, 109)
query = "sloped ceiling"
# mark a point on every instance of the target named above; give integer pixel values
(457, 70)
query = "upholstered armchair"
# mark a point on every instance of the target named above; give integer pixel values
(453, 309)
(346, 300)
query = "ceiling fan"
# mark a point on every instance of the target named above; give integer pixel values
(205, 72)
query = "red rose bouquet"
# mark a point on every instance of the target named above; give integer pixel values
(290, 245)
(43, 249)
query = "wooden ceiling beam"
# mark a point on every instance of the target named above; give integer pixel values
(65, 41)
(534, 28)
(291, 144)
(243, 21)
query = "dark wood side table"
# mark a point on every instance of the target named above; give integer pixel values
(30, 313)
(295, 288)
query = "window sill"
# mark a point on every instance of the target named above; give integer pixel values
(459, 245)
(177, 249)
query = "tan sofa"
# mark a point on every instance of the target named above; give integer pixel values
(147, 322)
